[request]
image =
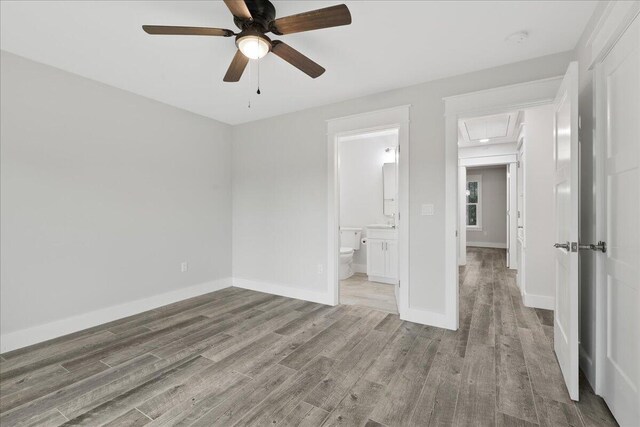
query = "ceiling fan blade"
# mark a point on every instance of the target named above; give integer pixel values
(238, 64)
(296, 59)
(186, 31)
(333, 16)
(238, 8)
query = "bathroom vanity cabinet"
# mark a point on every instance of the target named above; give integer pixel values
(382, 255)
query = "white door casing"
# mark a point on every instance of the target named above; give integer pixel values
(618, 174)
(373, 121)
(566, 191)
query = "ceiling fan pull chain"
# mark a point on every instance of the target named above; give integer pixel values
(258, 92)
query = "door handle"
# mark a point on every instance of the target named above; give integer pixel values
(564, 246)
(600, 246)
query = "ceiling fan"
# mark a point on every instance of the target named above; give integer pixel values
(255, 18)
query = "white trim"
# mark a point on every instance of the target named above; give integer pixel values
(439, 320)
(615, 19)
(494, 245)
(283, 290)
(538, 301)
(501, 99)
(478, 226)
(462, 200)
(488, 160)
(58, 328)
(390, 118)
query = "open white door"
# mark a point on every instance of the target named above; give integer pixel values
(566, 190)
(618, 357)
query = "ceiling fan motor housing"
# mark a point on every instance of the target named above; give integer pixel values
(262, 12)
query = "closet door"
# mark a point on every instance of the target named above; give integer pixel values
(618, 88)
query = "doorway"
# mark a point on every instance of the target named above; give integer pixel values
(487, 209)
(368, 208)
(510, 125)
(386, 241)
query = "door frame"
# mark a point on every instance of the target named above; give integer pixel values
(614, 21)
(510, 161)
(374, 121)
(491, 101)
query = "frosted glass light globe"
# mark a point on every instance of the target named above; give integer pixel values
(253, 47)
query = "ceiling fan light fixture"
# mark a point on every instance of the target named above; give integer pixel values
(253, 47)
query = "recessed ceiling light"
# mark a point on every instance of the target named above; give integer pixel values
(518, 37)
(484, 140)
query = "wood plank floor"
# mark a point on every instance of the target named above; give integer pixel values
(237, 357)
(358, 290)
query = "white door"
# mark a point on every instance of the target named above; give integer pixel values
(566, 190)
(376, 258)
(619, 92)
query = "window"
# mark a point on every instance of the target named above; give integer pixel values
(474, 202)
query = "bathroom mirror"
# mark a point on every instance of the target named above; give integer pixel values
(389, 189)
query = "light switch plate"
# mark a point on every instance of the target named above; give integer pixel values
(427, 209)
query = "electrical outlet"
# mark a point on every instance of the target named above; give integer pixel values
(320, 268)
(184, 266)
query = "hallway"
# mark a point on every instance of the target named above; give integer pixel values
(505, 352)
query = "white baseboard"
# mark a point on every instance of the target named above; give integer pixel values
(36, 334)
(283, 290)
(359, 268)
(538, 301)
(425, 317)
(487, 245)
(587, 366)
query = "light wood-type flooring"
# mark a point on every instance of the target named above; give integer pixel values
(358, 290)
(237, 357)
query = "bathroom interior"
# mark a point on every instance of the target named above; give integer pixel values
(368, 185)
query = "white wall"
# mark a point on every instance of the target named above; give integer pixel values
(494, 208)
(361, 185)
(104, 193)
(280, 184)
(539, 208)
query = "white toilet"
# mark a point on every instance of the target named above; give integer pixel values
(349, 242)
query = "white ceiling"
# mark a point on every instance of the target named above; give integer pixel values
(493, 129)
(390, 44)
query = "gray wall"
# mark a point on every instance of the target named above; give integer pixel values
(103, 195)
(494, 208)
(280, 183)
